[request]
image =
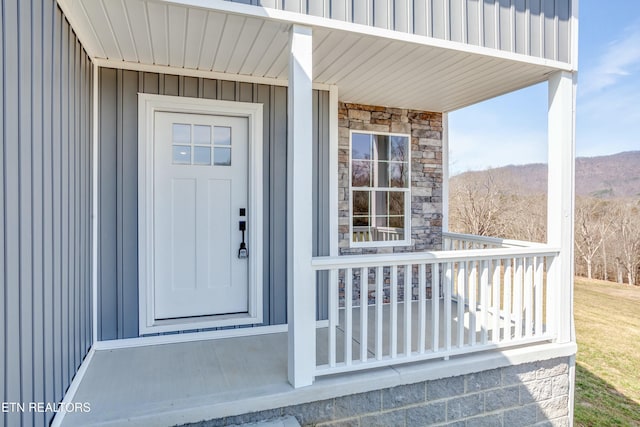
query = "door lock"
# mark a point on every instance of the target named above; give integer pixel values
(243, 252)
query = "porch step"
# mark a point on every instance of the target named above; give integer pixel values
(288, 421)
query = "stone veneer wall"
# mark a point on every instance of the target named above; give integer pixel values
(521, 395)
(425, 129)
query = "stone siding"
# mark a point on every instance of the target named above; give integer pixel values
(531, 394)
(425, 129)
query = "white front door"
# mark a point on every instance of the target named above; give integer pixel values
(200, 197)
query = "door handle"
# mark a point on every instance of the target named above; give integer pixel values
(243, 252)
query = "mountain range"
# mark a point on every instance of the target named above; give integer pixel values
(612, 176)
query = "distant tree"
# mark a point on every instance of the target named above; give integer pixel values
(527, 218)
(592, 224)
(491, 203)
(627, 225)
(619, 270)
(477, 205)
(605, 260)
(497, 203)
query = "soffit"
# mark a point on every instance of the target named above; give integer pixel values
(367, 68)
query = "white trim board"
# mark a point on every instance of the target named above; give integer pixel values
(95, 144)
(197, 336)
(147, 106)
(73, 387)
(190, 72)
(334, 228)
(189, 337)
(445, 172)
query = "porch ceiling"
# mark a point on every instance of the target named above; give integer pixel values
(369, 66)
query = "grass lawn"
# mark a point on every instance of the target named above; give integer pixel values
(608, 362)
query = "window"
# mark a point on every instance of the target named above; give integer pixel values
(380, 189)
(194, 148)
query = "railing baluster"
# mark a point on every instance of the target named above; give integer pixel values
(448, 288)
(408, 298)
(517, 298)
(528, 297)
(538, 290)
(462, 280)
(348, 327)
(379, 307)
(435, 306)
(473, 292)
(393, 328)
(484, 301)
(552, 273)
(333, 315)
(495, 331)
(506, 303)
(422, 299)
(364, 312)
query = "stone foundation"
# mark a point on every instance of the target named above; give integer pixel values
(521, 395)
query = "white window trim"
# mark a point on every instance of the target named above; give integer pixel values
(147, 106)
(407, 199)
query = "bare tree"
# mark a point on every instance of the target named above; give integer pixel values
(497, 203)
(605, 260)
(627, 247)
(592, 225)
(475, 206)
(619, 270)
(527, 218)
(629, 240)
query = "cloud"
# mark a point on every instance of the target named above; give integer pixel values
(621, 59)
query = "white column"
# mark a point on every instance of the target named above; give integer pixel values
(301, 289)
(560, 202)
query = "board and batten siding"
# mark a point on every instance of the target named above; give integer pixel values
(45, 191)
(118, 187)
(540, 28)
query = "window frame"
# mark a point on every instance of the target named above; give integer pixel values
(407, 194)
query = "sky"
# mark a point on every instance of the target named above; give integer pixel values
(512, 129)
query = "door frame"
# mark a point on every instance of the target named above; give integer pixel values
(148, 105)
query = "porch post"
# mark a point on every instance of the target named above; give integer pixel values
(560, 202)
(301, 289)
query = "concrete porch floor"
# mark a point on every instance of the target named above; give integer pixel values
(137, 385)
(178, 383)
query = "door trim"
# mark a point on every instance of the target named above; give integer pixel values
(148, 105)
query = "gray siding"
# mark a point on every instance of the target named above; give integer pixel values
(118, 233)
(45, 191)
(528, 27)
(321, 194)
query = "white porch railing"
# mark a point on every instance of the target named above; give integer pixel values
(459, 241)
(377, 234)
(398, 308)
